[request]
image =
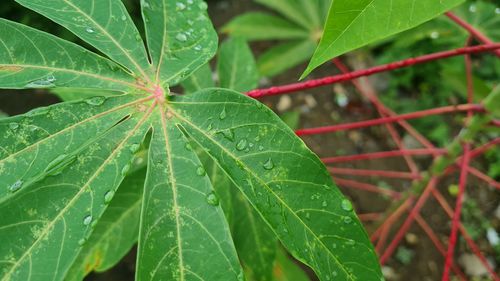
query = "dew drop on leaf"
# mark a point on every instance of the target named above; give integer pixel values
(324, 204)
(134, 147)
(242, 144)
(347, 220)
(95, 101)
(81, 242)
(212, 199)
(181, 37)
(188, 147)
(346, 205)
(269, 164)
(228, 134)
(200, 171)
(197, 48)
(223, 114)
(89, 30)
(108, 196)
(87, 220)
(13, 126)
(16, 186)
(180, 6)
(203, 6)
(124, 18)
(125, 169)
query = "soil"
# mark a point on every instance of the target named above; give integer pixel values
(318, 107)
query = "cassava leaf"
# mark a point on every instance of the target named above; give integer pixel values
(180, 38)
(236, 66)
(34, 59)
(74, 94)
(302, 12)
(115, 233)
(255, 241)
(54, 207)
(285, 56)
(181, 216)
(286, 270)
(200, 79)
(353, 24)
(106, 25)
(282, 179)
(255, 26)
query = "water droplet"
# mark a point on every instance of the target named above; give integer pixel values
(347, 219)
(223, 114)
(346, 205)
(228, 134)
(203, 6)
(190, 22)
(200, 171)
(82, 242)
(87, 220)
(350, 242)
(181, 37)
(16, 186)
(46, 82)
(108, 196)
(89, 30)
(242, 144)
(197, 48)
(13, 126)
(434, 35)
(261, 148)
(124, 18)
(95, 101)
(212, 199)
(125, 169)
(134, 147)
(269, 165)
(180, 6)
(241, 277)
(324, 204)
(472, 8)
(497, 11)
(188, 147)
(138, 38)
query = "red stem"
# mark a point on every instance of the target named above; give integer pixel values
(437, 243)
(372, 173)
(367, 187)
(409, 220)
(383, 154)
(472, 245)
(279, 90)
(385, 120)
(480, 175)
(472, 31)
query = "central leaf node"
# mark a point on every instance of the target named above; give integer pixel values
(159, 93)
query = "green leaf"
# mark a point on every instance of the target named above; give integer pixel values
(255, 242)
(353, 24)
(283, 180)
(236, 66)
(34, 59)
(285, 56)
(286, 270)
(181, 216)
(115, 233)
(74, 94)
(302, 12)
(55, 199)
(255, 26)
(200, 79)
(106, 25)
(180, 38)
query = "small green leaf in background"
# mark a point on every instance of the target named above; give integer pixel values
(236, 66)
(298, 27)
(199, 80)
(287, 270)
(353, 24)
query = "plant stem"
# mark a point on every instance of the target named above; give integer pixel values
(382, 155)
(279, 90)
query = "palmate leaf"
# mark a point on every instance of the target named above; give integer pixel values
(115, 233)
(61, 165)
(353, 24)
